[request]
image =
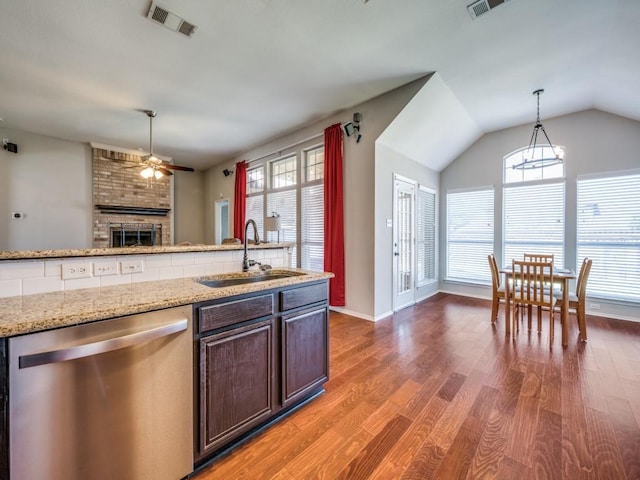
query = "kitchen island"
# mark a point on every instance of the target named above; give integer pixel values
(278, 314)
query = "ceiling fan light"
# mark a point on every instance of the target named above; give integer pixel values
(147, 173)
(158, 174)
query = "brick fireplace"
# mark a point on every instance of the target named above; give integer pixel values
(122, 196)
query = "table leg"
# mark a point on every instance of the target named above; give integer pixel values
(565, 312)
(507, 306)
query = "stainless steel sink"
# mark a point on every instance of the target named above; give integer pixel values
(230, 280)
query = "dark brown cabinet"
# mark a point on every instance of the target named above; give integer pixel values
(305, 363)
(237, 385)
(260, 355)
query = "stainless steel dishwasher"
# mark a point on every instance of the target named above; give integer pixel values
(105, 400)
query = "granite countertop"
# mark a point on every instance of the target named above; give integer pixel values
(33, 313)
(96, 252)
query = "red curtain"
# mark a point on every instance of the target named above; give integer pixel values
(334, 214)
(239, 200)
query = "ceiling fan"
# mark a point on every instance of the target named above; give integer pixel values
(153, 166)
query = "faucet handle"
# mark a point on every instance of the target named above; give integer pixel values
(265, 267)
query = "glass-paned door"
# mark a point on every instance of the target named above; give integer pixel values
(404, 194)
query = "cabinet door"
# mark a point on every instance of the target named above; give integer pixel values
(237, 375)
(305, 347)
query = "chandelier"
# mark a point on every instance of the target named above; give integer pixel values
(539, 155)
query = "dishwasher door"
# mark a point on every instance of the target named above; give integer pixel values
(106, 400)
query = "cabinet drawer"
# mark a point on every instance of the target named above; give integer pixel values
(297, 297)
(225, 314)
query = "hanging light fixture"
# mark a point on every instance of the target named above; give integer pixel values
(539, 155)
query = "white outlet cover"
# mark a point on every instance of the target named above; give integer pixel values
(76, 270)
(105, 268)
(133, 266)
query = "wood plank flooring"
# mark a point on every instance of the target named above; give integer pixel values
(437, 392)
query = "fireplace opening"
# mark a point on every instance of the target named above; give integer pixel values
(135, 234)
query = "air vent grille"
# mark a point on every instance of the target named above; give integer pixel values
(170, 20)
(479, 8)
(159, 15)
(187, 29)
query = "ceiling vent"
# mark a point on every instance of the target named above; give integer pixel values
(170, 20)
(479, 8)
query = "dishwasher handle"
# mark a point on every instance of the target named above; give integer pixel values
(103, 346)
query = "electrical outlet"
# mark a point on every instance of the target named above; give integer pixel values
(594, 306)
(105, 268)
(133, 266)
(76, 270)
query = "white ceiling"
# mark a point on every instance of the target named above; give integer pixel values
(255, 69)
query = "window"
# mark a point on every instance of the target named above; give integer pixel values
(255, 180)
(513, 174)
(534, 221)
(254, 207)
(426, 236)
(282, 199)
(533, 205)
(608, 232)
(295, 191)
(469, 235)
(312, 218)
(283, 173)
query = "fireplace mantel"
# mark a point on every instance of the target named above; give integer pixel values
(131, 210)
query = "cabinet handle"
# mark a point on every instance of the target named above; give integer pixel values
(103, 346)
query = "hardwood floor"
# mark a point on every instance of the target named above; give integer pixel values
(437, 392)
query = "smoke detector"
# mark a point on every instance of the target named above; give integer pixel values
(479, 8)
(172, 21)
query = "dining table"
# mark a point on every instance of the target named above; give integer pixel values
(561, 276)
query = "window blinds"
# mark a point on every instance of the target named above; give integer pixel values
(534, 221)
(608, 232)
(312, 228)
(469, 235)
(426, 236)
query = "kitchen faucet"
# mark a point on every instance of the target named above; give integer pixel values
(246, 263)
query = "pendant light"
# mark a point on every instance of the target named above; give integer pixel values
(540, 155)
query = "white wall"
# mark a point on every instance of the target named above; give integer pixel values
(388, 163)
(359, 187)
(594, 142)
(189, 207)
(49, 180)
(217, 187)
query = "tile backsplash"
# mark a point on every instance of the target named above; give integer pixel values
(28, 277)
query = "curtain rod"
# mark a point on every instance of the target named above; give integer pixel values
(308, 139)
(287, 147)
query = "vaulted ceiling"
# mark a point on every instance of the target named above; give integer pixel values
(83, 70)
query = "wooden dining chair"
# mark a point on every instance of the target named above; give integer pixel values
(498, 292)
(577, 301)
(538, 257)
(531, 276)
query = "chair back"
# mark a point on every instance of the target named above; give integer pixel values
(538, 257)
(531, 278)
(583, 277)
(495, 275)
